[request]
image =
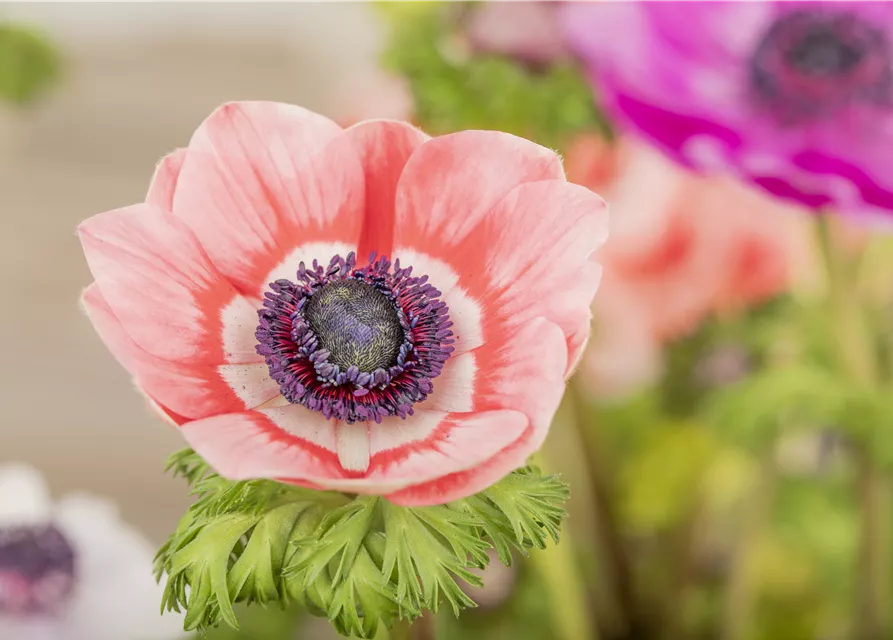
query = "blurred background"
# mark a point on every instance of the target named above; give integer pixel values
(729, 477)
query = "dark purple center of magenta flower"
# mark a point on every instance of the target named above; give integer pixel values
(355, 343)
(37, 569)
(811, 63)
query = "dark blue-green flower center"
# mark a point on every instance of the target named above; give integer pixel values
(357, 324)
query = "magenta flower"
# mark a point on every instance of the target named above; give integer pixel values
(796, 97)
(242, 299)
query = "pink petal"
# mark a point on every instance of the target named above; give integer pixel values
(170, 417)
(290, 442)
(441, 444)
(528, 255)
(190, 390)
(162, 288)
(164, 182)
(262, 178)
(383, 147)
(468, 482)
(495, 221)
(535, 251)
(520, 368)
(451, 182)
(294, 444)
(523, 369)
(452, 443)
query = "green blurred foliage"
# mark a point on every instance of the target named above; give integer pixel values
(256, 623)
(29, 64)
(455, 90)
(689, 457)
(408, 11)
(661, 481)
(803, 561)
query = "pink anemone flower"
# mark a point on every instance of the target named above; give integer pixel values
(367, 309)
(796, 97)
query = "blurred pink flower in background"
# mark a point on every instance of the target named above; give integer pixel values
(378, 94)
(526, 31)
(682, 247)
(795, 97)
(72, 570)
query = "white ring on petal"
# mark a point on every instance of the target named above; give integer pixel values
(278, 401)
(251, 383)
(454, 387)
(395, 432)
(306, 424)
(306, 253)
(239, 319)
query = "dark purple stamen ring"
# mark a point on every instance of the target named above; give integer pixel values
(355, 353)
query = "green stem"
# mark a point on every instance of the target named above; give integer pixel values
(873, 585)
(559, 572)
(614, 556)
(858, 360)
(740, 594)
(856, 353)
(676, 590)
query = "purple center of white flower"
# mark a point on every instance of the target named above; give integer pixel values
(354, 343)
(811, 63)
(37, 569)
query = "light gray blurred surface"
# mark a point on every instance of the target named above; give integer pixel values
(139, 78)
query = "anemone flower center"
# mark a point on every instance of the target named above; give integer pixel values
(811, 63)
(355, 343)
(37, 569)
(356, 324)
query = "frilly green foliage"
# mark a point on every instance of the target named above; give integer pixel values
(360, 561)
(454, 89)
(28, 64)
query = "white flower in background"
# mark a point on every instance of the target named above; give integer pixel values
(72, 570)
